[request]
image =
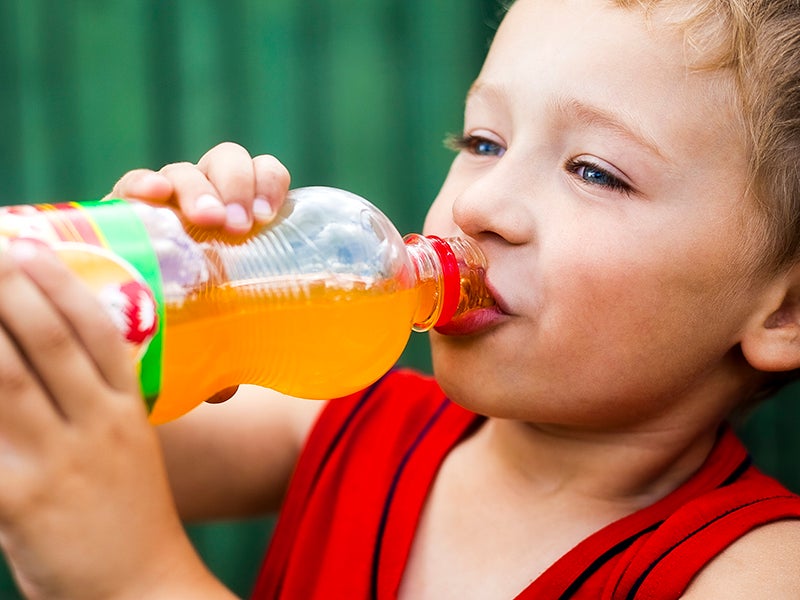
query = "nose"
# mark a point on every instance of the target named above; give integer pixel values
(495, 203)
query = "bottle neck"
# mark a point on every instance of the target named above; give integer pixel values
(450, 277)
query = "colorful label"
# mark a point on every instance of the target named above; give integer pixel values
(108, 246)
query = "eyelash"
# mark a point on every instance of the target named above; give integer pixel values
(471, 144)
(613, 183)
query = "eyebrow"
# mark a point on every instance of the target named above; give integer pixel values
(617, 123)
(479, 88)
(587, 114)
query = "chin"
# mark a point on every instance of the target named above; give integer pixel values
(466, 383)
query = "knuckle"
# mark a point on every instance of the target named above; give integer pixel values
(172, 168)
(129, 180)
(273, 170)
(230, 147)
(223, 151)
(53, 338)
(14, 378)
(135, 174)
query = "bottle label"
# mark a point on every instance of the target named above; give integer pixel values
(106, 244)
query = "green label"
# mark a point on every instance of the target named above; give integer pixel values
(125, 235)
(109, 248)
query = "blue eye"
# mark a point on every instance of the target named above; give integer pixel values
(486, 148)
(593, 174)
(475, 145)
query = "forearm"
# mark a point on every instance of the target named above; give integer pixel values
(149, 557)
(184, 577)
(235, 460)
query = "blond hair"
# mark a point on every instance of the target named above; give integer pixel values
(758, 41)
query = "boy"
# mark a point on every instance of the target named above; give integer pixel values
(627, 170)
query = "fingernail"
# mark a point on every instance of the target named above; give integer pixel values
(262, 210)
(237, 216)
(209, 203)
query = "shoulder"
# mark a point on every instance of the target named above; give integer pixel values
(761, 564)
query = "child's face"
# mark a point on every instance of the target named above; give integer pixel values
(605, 182)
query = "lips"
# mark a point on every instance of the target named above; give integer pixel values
(477, 320)
(473, 322)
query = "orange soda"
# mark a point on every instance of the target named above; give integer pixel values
(318, 304)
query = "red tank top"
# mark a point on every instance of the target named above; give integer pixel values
(349, 517)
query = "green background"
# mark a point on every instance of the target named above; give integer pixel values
(357, 94)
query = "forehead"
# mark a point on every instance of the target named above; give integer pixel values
(600, 31)
(683, 34)
(619, 61)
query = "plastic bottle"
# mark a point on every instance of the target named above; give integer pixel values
(317, 304)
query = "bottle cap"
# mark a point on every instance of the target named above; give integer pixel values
(451, 277)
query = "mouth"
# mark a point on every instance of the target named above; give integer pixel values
(472, 322)
(478, 320)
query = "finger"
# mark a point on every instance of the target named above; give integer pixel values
(80, 307)
(271, 186)
(30, 424)
(26, 410)
(72, 345)
(229, 168)
(195, 195)
(142, 184)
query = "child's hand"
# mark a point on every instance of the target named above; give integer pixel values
(227, 188)
(85, 508)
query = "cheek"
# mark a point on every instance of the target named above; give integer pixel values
(439, 219)
(665, 268)
(646, 307)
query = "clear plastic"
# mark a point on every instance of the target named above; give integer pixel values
(318, 304)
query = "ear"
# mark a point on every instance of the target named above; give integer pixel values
(771, 341)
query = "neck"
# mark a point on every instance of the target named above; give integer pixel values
(624, 464)
(623, 471)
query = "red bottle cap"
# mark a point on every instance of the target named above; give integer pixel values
(451, 276)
